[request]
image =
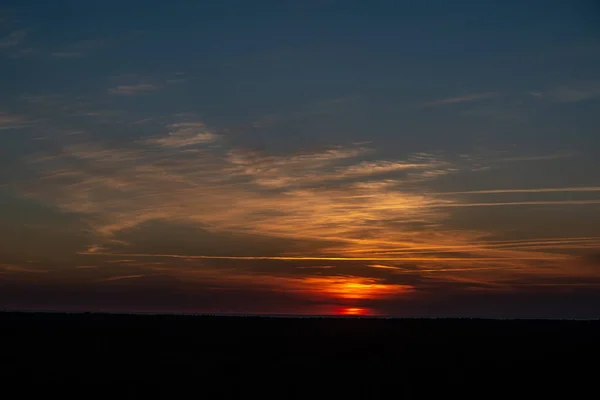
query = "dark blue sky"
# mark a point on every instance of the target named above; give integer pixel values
(410, 147)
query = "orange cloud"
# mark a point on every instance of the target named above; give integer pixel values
(184, 134)
(118, 278)
(358, 207)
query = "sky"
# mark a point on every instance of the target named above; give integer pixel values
(401, 158)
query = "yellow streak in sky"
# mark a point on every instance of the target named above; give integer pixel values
(416, 271)
(527, 244)
(118, 278)
(309, 258)
(522, 203)
(541, 190)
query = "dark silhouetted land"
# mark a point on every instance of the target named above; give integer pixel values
(159, 356)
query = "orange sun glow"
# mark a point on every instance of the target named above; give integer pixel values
(355, 311)
(356, 288)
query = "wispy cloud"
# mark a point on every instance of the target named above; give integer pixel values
(67, 54)
(119, 278)
(53, 105)
(495, 112)
(22, 53)
(379, 266)
(142, 121)
(526, 203)
(357, 206)
(232, 189)
(183, 134)
(571, 93)
(537, 243)
(460, 99)
(436, 259)
(533, 190)
(12, 121)
(340, 164)
(17, 268)
(79, 49)
(548, 157)
(132, 89)
(430, 270)
(178, 78)
(315, 110)
(335, 204)
(484, 159)
(14, 38)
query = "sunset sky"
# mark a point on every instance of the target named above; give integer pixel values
(408, 158)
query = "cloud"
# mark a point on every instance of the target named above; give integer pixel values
(574, 92)
(460, 99)
(180, 77)
(51, 105)
(593, 258)
(234, 190)
(21, 53)
(192, 205)
(335, 165)
(68, 54)
(190, 239)
(533, 243)
(11, 121)
(337, 204)
(534, 190)
(17, 269)
(13, 39)
(121, 277)
(527, 203)
(79, 49)
(132, 89)
(484, 159)
(379, 266)
(267, 121)
(496, 112)
(177, 80)
(141, 121)
(549, 157)
(318, 109)
(183, 134)
(397, 258)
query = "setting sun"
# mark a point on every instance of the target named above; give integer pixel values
(354, 311)
(356, 288)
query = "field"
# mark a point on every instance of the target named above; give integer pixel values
(160, 356)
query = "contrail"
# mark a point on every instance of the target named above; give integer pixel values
(292, 258)
(541, 190)
(522, 203)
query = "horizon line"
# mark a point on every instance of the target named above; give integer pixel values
(291, 315)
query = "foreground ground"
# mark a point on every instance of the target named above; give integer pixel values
(128, 356)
